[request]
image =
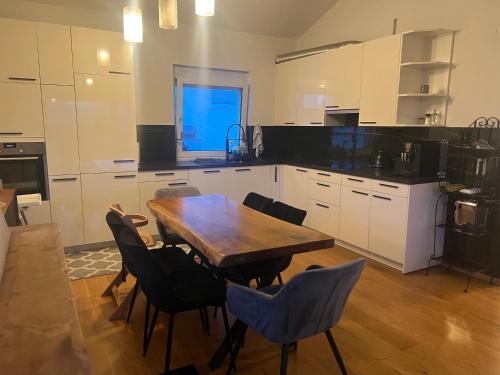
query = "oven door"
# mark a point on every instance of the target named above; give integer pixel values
(25, 173)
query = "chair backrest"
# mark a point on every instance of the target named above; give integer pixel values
(177, 192)
(258, 202)
(287, 213)
(311, 302)
(153, 282)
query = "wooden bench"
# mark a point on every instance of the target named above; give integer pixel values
(39, 327)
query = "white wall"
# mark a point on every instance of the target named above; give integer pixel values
(476, 77)
(189, 45)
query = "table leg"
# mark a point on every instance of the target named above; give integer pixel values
(238, 331)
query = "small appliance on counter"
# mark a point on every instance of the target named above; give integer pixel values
(418, 159)
(380, 159)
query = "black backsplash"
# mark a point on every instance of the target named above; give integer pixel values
(156, 143)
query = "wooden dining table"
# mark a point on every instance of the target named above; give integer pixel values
(228, 234)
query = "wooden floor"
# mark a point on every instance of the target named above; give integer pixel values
(393, 324)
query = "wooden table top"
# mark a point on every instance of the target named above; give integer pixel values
(229, 234)
(39, 326)
(6, 197)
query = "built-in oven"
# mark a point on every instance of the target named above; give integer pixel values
(23, 166)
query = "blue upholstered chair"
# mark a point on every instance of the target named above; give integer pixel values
(310, 303)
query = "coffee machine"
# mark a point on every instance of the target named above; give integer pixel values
(418, 159)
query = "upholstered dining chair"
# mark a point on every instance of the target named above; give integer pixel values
(168, 236)
(257, 202)
(310, 303)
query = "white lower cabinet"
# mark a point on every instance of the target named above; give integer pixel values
(241, 181)
(276, 182)
(323, 217)
(355, 216)
(296, 186)
(147, 192)
(209, 181)
(388, 224)
(98, 192)
(66, 208)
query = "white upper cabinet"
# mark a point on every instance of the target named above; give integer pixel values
(285, 111)
(327, 81)
(54, 51)
(101, 52)
(61, 135)
(106, 123)
(21, 110)
(379, 81)
(19, 52)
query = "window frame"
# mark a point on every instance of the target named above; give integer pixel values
(207, 77)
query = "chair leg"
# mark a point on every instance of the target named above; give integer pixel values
(284, 359)
(280, 279)
(134, 295)
(207, 322)
(150, 331)
(170, 335)
(146, 328)
(202, 318)
(215, 312)
(336, 352)
(232, 364)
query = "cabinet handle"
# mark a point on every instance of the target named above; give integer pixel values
(389, 186)
(177, 183)
(124, 161)
(355, 179)
(165, 174)
(25, 79)
(212, 171)
(384, 198)
(275, 174)
(316, 123)
(125, 176)
(301, 170)
(359, 192)
(332, 106)
(289, 123)
(320, 184)
(11, 133)
(64, 179)
(20, 158)
(118, 72)
(323, 174)
(368, 122)
(322, 205)
(243, 170)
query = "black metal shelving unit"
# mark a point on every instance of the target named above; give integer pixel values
(470, 163)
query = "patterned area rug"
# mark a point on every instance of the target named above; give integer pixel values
(93, 263)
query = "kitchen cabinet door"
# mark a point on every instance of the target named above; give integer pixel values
(18, 43)
(323, 217)
(66, 208)
(346, 77)
(379, 81)
(61, 134)
(21, 110)
(54, 51)
(101, 52)
(210, 181)
(98, 192)
(285, 110)
(106, 123)
(296, 185)
(355, 216)
(276, 182)
(388, 223)
(244, 180)
(147, 192)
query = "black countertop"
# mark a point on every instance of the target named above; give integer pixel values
(357, 168)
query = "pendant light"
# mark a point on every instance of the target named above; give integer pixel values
(168, 14)
(132, 24)
(205, 8)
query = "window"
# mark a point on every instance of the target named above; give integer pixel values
(208, 102)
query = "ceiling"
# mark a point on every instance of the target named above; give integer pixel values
(283, 18)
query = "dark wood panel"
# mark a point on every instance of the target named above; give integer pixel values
(228, 233)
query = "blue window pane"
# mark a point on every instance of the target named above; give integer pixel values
(207, 113)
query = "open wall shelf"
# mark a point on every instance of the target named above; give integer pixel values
(426, 59)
